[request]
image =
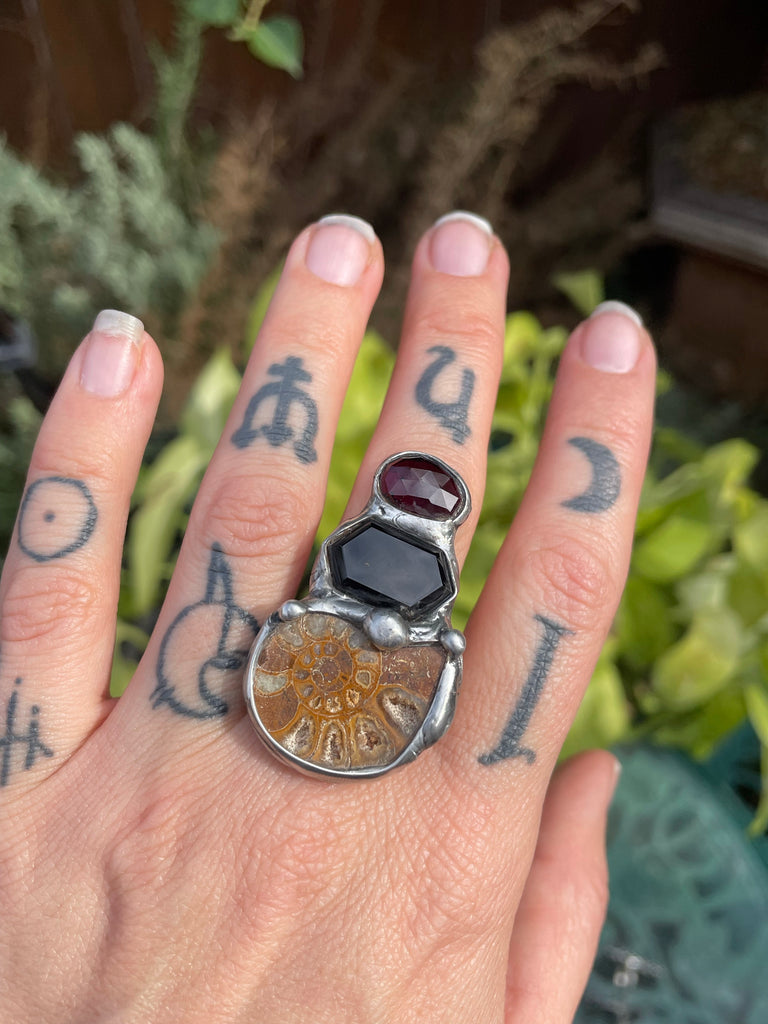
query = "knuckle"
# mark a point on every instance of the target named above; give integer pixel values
(255, 519)
(46, 606)
(479, 331)
(574, 578)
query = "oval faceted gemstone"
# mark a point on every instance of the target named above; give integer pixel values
(421, 487)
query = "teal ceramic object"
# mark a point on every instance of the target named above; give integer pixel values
(686, 937)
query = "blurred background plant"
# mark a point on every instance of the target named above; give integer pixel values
(177, 218)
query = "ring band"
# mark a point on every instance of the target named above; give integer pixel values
(361, 676)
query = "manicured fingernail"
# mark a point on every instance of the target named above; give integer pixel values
(339, 249)
(112, 353)
(460, 244)
(610, 338)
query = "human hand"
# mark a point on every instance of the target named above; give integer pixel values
(156, 862)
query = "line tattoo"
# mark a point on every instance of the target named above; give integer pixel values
(57, 516)
(29, 739)
(286, 392)
(452, 415)
(203, 697)
(509, 743)
(605, 485)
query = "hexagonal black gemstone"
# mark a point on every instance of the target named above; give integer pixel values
(380, 566)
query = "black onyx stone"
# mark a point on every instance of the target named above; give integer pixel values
(383, 568)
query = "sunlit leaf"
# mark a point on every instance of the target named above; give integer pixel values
(278, 42)
(211, 399)
(219, 13)
(644, 623)
(127, 635)
(584, 288)
(603, 717)
(169, 486)
(260, 306)
(694, 668)
(674, 548)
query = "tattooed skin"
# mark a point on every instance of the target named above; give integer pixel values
(57, 516)
(509, 744)
(188, 637)
(27, 742)
(451, 415)
(281, 395)
(605, 485)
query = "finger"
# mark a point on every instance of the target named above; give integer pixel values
(562, 910)
(443, 389)
(544, 614)
(59, 590)
(255, 517)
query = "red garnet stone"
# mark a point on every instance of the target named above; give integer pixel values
(421, 487)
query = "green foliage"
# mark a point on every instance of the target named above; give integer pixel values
(118, 238)
(276, 41)
(16, 443)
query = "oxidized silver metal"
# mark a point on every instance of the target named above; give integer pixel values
(385, 627)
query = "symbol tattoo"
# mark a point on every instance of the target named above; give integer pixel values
(605, 485)
(57, 516)
(286, 393)
(509, 744)
(452, 415)
(189, 632)
(29, 739)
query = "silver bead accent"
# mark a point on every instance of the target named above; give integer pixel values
(453, 641)
(386, 628)
(291, 610)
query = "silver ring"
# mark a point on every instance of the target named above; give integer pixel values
(361, 676)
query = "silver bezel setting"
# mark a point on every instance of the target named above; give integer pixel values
(433, 626)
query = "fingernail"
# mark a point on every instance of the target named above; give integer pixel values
(339, 249)
(460, 244)
(610, 338)
(112, 353)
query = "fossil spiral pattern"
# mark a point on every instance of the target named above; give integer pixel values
(325, 694)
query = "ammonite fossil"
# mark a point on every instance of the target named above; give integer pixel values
(326, 694)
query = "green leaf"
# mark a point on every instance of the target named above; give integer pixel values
(584, 288)
(644, 626)
(168, 486)
(603, 717)
(123, 665)
(760, 821)
(278, 42)
(695, 668)
(359, 416)
(210, 400)
(750, 538)
(259, 307)
(756, 698)
(220, 13)
(674, 548)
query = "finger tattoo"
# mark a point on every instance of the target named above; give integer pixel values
(204, 697)
(277, 398)
(605, 485)
(509, 743)
(27, 742)
(57, 516)
(451, 415)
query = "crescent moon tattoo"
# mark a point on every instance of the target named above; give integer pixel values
(605, 485)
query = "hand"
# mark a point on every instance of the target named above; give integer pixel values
(157, 864)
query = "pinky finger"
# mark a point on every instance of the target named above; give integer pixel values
(563, 907)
